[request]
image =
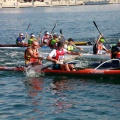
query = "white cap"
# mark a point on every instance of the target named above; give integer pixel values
(47, 33)
(119, 41)
(20, 33)
(32, 35)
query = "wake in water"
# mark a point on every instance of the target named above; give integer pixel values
(34, 71)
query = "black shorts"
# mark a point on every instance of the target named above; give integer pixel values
(56, 67)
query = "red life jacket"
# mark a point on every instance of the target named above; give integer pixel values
(28, 58)
(59, 53)
(118, 55)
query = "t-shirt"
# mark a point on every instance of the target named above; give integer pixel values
(19, 39)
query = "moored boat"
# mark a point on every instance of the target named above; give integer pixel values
(97, 2)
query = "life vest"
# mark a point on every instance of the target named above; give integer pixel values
(70, 48)
(118, 55)
(30, 41)
(58, 54)
(47, 40)
(28, 58)
(115, 52)
(95, 49)
(53, 43)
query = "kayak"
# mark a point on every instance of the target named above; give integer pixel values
(87, 47)
(19, 48)
(96, 56)
(80, 71)
(26, 45)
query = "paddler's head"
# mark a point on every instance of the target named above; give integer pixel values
(32, 35)
(101, 40)
(70, 41)
(119, 42)
(60, 45)
(55, 36)
(35, 45)
(21, 34)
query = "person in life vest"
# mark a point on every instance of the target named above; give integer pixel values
(71, 46)
(115, 51)
(46, 38)
(99, 47)
(54, 41)
(57, 57)
(31, 55)
(20, 39)
(32, 38)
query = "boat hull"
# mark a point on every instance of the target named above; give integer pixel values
(80, 71)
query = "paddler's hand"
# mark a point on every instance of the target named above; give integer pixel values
(79, 54)
(81, 49)
(57, 62)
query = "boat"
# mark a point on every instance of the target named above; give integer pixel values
(106, 68)
(96, 56)
(87, 46)
(98, 2)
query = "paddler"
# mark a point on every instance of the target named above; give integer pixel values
(57, 57)
(71, 46)
(32, 56)
(32, 38)
(115, 51)
(54, 41)
(20, 39)
(46, 38)
(99, 47)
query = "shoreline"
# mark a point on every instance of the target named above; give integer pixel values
(39, 4)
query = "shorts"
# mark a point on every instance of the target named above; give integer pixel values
(56, 67)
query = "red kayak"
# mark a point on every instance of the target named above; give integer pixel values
(80, 71)
(98, 71)
(13, 45)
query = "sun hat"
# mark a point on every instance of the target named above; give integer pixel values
(102, 40)
(46, 32)
(32, 35)
(20, 33)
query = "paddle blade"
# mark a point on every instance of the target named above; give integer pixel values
(28, 26)
(60, 31)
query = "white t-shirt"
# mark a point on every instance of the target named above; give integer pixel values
(53, 52)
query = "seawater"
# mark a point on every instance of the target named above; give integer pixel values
(51, 97)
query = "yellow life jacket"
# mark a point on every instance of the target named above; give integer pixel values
(70, 48)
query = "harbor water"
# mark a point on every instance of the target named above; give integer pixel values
(57, 97)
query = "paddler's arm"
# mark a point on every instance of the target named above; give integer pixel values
(74, 53)
(51, 59)
(99, 38)
(108, 51)
(78, 47)
(26, 36)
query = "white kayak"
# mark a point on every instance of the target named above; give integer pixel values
(84, 55)
(98, 57)
(85, 48)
